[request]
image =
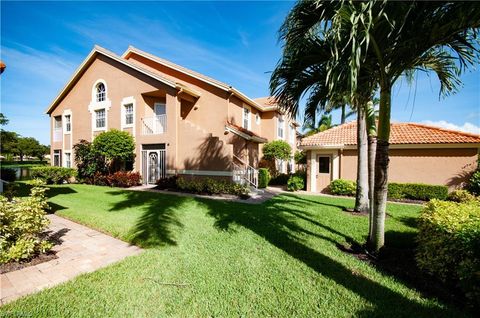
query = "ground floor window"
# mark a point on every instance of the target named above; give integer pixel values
(68, 160)
(57, 158)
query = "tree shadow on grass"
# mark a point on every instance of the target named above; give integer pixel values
(159, 220)
(276, 222)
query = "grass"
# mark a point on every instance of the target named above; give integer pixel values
(277, 259)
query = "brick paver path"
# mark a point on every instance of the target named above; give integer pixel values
(80, 250)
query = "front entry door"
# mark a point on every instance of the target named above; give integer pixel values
(324, 172)
(153, 165)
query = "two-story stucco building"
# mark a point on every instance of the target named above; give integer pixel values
(183, 122)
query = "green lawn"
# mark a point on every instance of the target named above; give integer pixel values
(277, 259)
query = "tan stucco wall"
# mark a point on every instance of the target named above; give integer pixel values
(446, 166)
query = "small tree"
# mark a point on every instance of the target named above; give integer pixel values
(276, 150)
(88, 161)
(117, 147)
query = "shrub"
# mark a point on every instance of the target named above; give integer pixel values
(449, 244)
(116, 146)
(263, 177)
(22, 225)
(53, 175)
(124, 179)
(167, 183)
(281, 179)
(211, 186)
(343, 187)
(461, 196)
(277, 150)
(295, 183)
(474, 183)
(88, 162)
(8, 174)
(417, 191)
(300, 157)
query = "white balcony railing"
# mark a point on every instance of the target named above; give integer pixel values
(154, 125)
(57, 134)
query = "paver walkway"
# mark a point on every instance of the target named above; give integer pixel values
(80, 250)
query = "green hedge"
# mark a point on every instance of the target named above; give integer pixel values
(281, 179)
(53, 175)
(417, 191)
(211, 186)
(412, 191)
(342, 187)
(263, 177)
(449, 244)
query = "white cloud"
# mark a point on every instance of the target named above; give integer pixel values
(466, 127)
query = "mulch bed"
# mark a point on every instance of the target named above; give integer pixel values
(38, 259)
(400, 263)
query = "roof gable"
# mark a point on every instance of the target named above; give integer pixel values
(89, 60)
(400, 134)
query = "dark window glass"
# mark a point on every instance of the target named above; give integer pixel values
(324, 164)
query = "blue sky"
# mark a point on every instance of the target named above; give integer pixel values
(234, 42)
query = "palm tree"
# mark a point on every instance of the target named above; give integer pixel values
(389, 39)
(323, 124)
(303, 69)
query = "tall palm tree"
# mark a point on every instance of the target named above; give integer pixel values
(389, 39)
(303, 69)
(311, 127)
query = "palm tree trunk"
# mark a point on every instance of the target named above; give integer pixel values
(381, 170)
(372, 147)
(361, 194)
(342, 119)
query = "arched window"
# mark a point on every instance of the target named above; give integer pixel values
(100, 92)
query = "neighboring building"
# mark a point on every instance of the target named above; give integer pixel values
(183, 122)
(418, 154)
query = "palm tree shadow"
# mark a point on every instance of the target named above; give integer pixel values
(158, 223)
(276, 223)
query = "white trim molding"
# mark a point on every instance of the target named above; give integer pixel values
(126, 101)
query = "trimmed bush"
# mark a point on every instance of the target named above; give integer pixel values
(474, 183)
(417, 191)
(124, 179)
(8, 174)
(461, 196)
(281, 179)
(295, 183)
(449, 244)
(167, 183)
(22, 225)
(53, 175)
(263, 177)
(343, 187)
(211, 186)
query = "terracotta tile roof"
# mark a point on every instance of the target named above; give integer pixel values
(245, 131)
(400, 133)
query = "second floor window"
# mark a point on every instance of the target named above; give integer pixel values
(58, 122)
(101, 92)
(129, 114)
(292, 134)
(68, 123)
(246, 118)
(280, 128)
(100, 118)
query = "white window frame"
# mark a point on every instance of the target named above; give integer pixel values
(67, 123)
(102, 96)
(248, 118)
(125, 102)
(281, 124)
(67, 163)
(257, 118)
(94, 106)
(97, 111)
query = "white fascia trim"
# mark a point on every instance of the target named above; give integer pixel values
(99, 50)
(126, 101)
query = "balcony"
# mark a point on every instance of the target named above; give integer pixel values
(154, 125)
(57, 134)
